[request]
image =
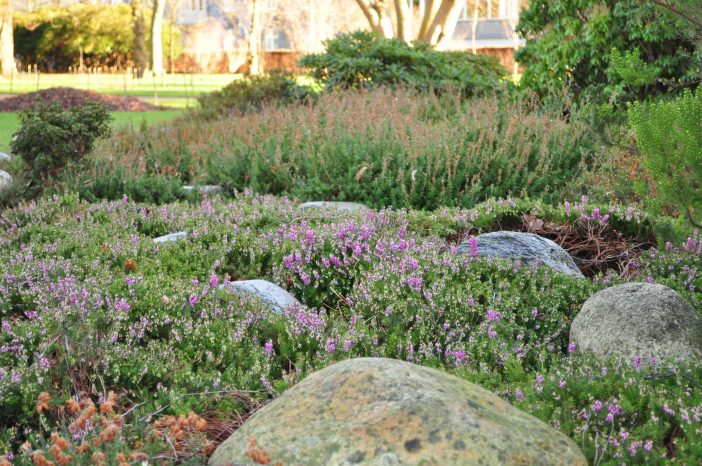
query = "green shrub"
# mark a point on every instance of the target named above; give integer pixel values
(568, 44)
(364, 59)
(51, 138)
(669, 136)
(252, 93)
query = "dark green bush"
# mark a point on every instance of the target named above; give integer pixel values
(52, 138)
(251, 93)
(364, 59)
(568, 43)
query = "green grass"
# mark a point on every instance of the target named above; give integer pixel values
(9, 122)
(171, 85)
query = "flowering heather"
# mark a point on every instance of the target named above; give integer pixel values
(74, 321)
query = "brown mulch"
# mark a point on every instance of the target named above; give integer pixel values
(594, 247)
(69, 98)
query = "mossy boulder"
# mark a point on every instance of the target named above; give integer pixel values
(638, 319)
(377, 411)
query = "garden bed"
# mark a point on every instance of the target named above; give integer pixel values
(68, 97)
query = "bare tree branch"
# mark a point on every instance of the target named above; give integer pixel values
(673, 9)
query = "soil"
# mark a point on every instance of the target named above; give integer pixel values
(68, 98)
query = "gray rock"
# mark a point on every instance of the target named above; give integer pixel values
(638, 319)
(205, 189)
(4, 157)
(341, 207)
(530, 249)
(377, 411)
(268, 293)
(5, 179)
(171, 237)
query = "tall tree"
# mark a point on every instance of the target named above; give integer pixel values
(7, 46)
(253, 55)
(438, 21)
(140, 55)
(156, 37)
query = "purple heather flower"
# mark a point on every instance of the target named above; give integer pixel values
(648, 446)
(597, 406)
(214, 281)
(567, 207)
(636, 362)
(518, 394)
(193, 300)
(473, 248)
(493, 315)
(415, 283)
(268, 348)
(691, 244)
(572, 347)
(124, 199)
(562, 384)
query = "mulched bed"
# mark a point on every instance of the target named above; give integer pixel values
(594, 247)
(68, 98)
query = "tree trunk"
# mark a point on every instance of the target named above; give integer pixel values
(444, 23)
(376, 12)
(7, 47)
(404, 20)
(175, 6)
(432, 7)
(140, 55)
(157, 37)
(253, 57)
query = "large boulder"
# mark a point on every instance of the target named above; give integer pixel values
(341, 207)
(638, 319)
(377, 411)
(530, 249)
(171, 237)
(268, 293)
(5, 179)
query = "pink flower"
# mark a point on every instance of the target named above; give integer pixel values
(493, 315)
(518, 394)
(473, 248)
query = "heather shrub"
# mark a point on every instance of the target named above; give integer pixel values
(669, 136)
(90, 305)
(380, 147)
(364, 59)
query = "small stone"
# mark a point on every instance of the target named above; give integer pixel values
(638, 319)
(341, 207)
(5, 179)
(377, 411)
(204, 189)
(171, 237)
(529, 248)
(268, 293)
(4, 157)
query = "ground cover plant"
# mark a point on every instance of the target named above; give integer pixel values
(109, 340)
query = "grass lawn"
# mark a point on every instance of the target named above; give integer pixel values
(170, 85)
(9, 122)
